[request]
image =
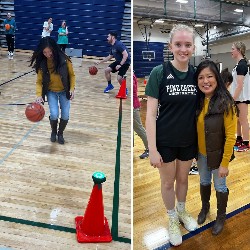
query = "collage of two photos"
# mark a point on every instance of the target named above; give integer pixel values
(124, 124)
(191, 124)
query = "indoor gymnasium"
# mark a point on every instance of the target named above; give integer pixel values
(219, 27)
(73, 193)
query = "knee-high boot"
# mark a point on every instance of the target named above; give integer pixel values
(205, 193)
(222, 199)
(62, 126)
(53, 124)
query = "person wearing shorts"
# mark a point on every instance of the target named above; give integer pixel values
(171, 128)
(121, 63)
(240, 90)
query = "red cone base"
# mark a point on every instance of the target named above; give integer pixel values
(82, 237)
(122, 91)
(93, 226)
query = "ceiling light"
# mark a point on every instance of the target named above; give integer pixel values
(238, 10)
(181, 1)
(198, 25)
(159, 21)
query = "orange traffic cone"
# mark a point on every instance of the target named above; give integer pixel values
(122, 91)
(93, 226)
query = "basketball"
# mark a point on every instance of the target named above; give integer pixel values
(34, 112)
(93, 70)
(7, 26)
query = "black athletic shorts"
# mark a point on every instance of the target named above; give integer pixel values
(122, 70)
(246, 102)
(169, 154)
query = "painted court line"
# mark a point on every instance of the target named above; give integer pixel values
(19, 143)
(205, 227)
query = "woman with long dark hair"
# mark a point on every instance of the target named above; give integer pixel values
(56, 80)
(216, 127)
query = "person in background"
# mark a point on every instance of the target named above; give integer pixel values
(240, 90)
(56, 80)
(47, 27)
(63, 36)
(194, 169)
(137, 124)
(10, 28)
(226, 77)
(171, 127)
(216, 127)
(121, 63)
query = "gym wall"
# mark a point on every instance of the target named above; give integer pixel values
(88, 21)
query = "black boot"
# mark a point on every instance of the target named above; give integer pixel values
(53, 124)
(222, 199)
(205, 192)
(62, 126)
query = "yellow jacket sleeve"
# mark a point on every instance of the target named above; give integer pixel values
(72, 77)
(230, 122)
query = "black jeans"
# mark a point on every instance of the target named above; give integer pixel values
(10, 42)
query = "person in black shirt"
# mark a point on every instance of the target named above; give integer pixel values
(240, 90)
(171, 127)
(226, 77)
(121, 63)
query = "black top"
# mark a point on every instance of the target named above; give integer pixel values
(176, 121)
(241, 68)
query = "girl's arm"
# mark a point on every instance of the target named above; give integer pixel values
(155, 157)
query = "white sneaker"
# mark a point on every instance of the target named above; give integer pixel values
(11, 55)
(174, 231)
(189, 222)
(194, 170)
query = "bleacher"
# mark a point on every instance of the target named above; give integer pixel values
(88, 23)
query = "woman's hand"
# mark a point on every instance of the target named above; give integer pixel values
(223, 172)
(155, 159)
(39, 99)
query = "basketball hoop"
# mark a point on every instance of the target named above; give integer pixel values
(148, 55)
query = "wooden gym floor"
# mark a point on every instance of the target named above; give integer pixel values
(44, 185)
(150, 219)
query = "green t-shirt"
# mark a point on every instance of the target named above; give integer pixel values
(176, 94)
(62, 39)
(152, 88)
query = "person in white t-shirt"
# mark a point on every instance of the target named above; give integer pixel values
(47, 27)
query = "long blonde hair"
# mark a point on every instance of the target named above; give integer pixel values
(241, 47)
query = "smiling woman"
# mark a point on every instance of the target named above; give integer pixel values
(171, 143)
(56, 81)
(207, 82)
(217, 115)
